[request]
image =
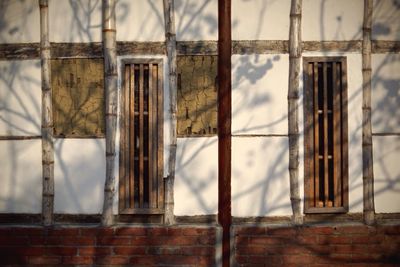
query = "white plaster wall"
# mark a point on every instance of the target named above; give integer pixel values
(196, 20)
(75, 21)
(21, 176)
(260, 19)
(386, 173)
(260, 177)
(79, 174)
(385, 93)
(332, 20)
(386, 20)
(140, 20)
(259, 94)
(354, 109)
(196, 177)
(19, 21)
(20, 97)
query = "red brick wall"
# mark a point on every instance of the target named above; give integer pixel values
(355, 245)
(134, 246)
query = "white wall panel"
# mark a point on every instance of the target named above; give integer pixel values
(259, 96)
(19, 21)
(140, 20)
(21, 176)
(20, 97)
(260, 176)
(387, 173)
(386, 20)
(196, 178)
(260, 19)
(332, 19)
(79, 173)
(196, 20)
(354, 108)
(75, 20)
(385, 93)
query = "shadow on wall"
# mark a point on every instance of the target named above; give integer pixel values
(199, 185)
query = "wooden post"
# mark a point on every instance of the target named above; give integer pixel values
(170, 37)
(368, 171)
(47, 118)
(293, 98)
(224, 125)
(110, 88)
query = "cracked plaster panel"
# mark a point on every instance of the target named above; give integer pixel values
(19, 21)
(332, 20)
(140, 20)
(257, 26)
(197, 95)
(20, 97)
(78, 97)
(75, 21)
(386, 20)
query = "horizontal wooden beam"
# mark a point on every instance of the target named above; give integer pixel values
(94, 50)
(19, 137)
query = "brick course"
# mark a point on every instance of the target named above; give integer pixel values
(340, 245)
(129, 246)
(355, 245)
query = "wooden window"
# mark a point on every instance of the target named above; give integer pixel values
(325, 125)
(141, 189)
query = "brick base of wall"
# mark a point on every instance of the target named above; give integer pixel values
(340, 245)
(127, 246)
(355, 245)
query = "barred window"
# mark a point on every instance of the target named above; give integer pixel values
(325, 125)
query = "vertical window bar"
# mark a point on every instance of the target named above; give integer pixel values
(325, 116)
(160, 137)
(336, 135)
(141, 161)
(310, 152)
(316, 136)
(131, 122)
(124, 181)
(151, 152)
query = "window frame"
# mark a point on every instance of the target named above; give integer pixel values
(156, 130)
(309, 130)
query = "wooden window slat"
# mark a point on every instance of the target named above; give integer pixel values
(336, 136)
(141, 162)
(160, 155)
(131, 147)
(325, 134)
(316, 137)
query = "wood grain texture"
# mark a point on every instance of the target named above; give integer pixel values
(170, 37)
(47, 119)
(295, 51)
(367, 150)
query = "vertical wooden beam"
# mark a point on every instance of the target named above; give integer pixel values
(47, 118)
(293, 98)
(110, 89)
(224, 125)
(170, 37)
(368, 172)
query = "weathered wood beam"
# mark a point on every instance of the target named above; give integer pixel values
(110, 88)
(295, 50)
(224, 97)
(47, 118)
(245, 47)
(368, 171)
(170, 39)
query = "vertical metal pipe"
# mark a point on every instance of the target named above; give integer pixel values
(224, 125)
